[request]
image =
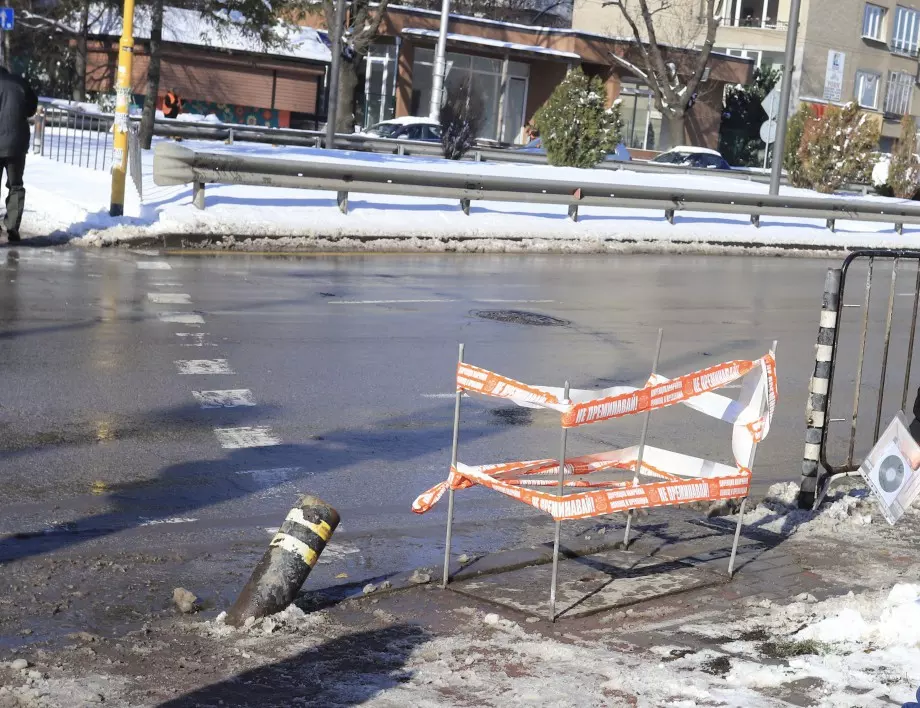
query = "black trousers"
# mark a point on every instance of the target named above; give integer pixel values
(15, 168)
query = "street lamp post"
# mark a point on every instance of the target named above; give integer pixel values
(785, 94)
(440, 63)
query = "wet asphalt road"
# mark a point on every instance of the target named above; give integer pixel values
(349, 361)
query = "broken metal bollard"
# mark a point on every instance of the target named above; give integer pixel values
(288, 561)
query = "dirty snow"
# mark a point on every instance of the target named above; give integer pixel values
(68, 201)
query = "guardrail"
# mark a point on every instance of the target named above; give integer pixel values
(175, 165)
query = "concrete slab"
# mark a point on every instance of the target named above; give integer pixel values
(589, 584)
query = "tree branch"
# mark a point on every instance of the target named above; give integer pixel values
(712, 24)
(629, 66)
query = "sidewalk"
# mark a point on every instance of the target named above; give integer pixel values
(784, 631)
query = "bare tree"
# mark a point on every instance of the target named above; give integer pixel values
(673, 73)
(153, 74)
(362, 26)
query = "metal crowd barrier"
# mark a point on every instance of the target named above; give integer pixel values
(859, 359)
(74, 137)
(174, 165)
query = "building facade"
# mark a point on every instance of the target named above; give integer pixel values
(514, 67)
(846, 50)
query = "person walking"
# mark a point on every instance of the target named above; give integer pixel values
(172, 104)
(18, 103)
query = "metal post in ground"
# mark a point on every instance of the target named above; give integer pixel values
(648, 414)
(453, 463)
(731, 562)
(560, 492)
(122, 109)
(440, 64)
(785, 94)
(332, 103)
(816, 408)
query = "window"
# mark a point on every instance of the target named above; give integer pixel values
(866, 89)
(906, 27)
(900, 85)
(872, 21)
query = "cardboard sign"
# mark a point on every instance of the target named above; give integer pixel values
(892, 469)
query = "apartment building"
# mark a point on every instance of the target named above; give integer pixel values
(846, 50)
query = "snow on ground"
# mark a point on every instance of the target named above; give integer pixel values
(72, 201)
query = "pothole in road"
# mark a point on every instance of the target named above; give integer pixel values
(520, 317)
(512, 416)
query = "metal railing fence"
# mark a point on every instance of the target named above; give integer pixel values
(74, 137)
(864, 366)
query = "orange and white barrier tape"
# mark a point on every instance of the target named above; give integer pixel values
(679, 478)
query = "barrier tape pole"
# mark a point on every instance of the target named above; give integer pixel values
(816, 407)
(552, 588)
(731, 562)
(648, 414)
(450, 491)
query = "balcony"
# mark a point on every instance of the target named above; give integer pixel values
(756, 23)
(754, 14)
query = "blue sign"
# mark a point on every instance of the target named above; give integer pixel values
(6, 18)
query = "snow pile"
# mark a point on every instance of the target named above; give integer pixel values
(860, 650)
(292, 620)
(841, 510)
(892, 620)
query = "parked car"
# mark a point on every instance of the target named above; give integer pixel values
(620, 154)
(689, 156)
(407, 128)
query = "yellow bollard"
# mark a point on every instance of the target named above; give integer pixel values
(123, 88)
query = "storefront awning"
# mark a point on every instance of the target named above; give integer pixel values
(495, 44)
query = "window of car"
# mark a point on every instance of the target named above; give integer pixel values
(432, 132)
(669, 158)
(386, 130)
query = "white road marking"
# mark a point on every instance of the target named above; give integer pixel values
(187, 318)
(256, 436)
(231, 398)
(194, 339)
(383, 302)
(273, 475)
(336, 552)
(153, 265)
(203, 366)
(170, 298)
(438, 395)
(166, 283)
(171, 520)
(401, 302)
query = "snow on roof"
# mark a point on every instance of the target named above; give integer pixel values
(409, 120)
(482, 41)
(190, 27)
(693, 149)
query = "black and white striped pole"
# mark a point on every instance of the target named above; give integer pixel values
(290, 557)
(816, 409)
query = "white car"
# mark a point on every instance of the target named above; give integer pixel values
(407, 128)
(691, 156)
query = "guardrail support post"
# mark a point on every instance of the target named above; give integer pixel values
(669, 215)
(341, 199)
(573, 212)
(816, 406)
(477, 156)
(400, 149)
(465, 205)
(230, 137)
(832, 225)
(899, 228)
(198, 194)
(755, 219)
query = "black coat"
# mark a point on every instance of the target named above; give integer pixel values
(18, 103)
